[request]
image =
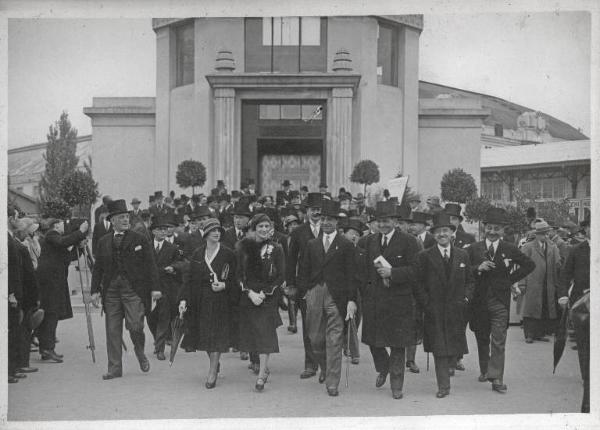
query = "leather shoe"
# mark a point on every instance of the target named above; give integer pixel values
(108, 376)
(412, 366)
(308, 373)
(460, 366)
(380, 381)
(451, 372)
(396, 394)
(322, 376)
(144, 364)
(260, 385)
(210, 385)
(529, 340)
(48, 354)
(542, 339)
(499, 387)
(292, 329)
(332, 391)
(355, 360)
(442, 393)
(160, 355)
(483, 377)
(20, 375)
(12, 380)
(27, 369)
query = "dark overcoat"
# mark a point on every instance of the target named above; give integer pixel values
(170, 282)
(388, 313)
(139, 264)
(208, 313)
(52, 272)
(299, 240)
(576, 269)
(444, 297)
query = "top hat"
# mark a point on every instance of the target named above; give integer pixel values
(220, 182)
(211, 225)
(322, 185)
(200, 211)
(330, 208)
(135, 201)
(314, 200)
(542, 227)
(355, 224)
(286, 183)
(420, 217)
(385, 209)
(495, 215)
(184, 198)
(403, 212)
(242, 208)
(116, 207)
(453, 209)
(158, 194)
(161, 221)
(236, 194)
(442, 219)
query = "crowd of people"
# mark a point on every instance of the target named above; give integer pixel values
(228, 263)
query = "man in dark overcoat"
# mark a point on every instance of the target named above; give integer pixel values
(159, 207)
(327, 274)
(102, 227)
(444, 273)
(126, 277)
(299, 239)
(15, 296)
(492, 262)
(387, 298)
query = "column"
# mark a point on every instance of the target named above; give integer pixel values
(339, 139)
(226, 154)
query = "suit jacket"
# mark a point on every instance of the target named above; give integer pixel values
(139, 265)
(335, 268)
(496, 282)
(388, 311)
(444, 299)
(229, 239)
(99, 231)
(170, 282)
(298, 242)
(429, 240)
(30, 283)
(15, 266)
(195, 241)
(576, 269)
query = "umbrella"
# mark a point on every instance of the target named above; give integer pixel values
(177, 329)
(352, 338)
(560, 338)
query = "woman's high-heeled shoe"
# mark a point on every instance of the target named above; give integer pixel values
(260, 384)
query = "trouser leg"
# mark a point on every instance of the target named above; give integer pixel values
(163, 317)
(411, 352)
(47, 337)
(381, 359)
(442, 364)
(334, 335)
(483, 350)
(499, 324)
(133, 309)
(292, 312)
(310, 362)
(13, 339)
(114, 330)
(254, 357)
(24, 344)
(583, 352)
(397, 362)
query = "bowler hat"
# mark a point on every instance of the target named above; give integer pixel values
(158, 194)
(161, 221)
(200, 212)
(242, 207)
(442, 219)
(135, 201)
(385, 210)
(420, 217)
(453, 209)
(403, 212)
(330, 208)
(286, 183)
(314, 200)
(542, 227)
(116, 207)
(355, 224)
(209, 225)
(495, 215)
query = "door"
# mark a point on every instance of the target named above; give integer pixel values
(299, 169)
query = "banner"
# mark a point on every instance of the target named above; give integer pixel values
(397, 186)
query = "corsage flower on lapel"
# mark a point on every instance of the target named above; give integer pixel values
(138, 248)
(507, 261)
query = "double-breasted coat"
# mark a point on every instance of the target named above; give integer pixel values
(171, 282)
(52, 272)
(444, 300)
(388, 312)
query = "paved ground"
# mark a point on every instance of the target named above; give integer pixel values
(74, 389)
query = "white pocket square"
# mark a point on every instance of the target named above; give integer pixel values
(462, 265)
(137, 248)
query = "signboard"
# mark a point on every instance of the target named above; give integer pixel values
(397, 186)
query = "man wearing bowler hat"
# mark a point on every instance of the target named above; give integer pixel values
(418, 227)
(387, 298)
(299, 239)
(126, 277)
(159, 208)
(327, 274)
(492, 263)
(460, 238)
(444, 273)
(135, 215)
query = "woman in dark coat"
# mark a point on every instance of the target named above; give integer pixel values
(261, 270)
(52, 273)
(208, 293)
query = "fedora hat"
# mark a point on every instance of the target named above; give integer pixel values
(161, 221)
(135, 201)
(495, 216)
(420, 217)
(290, 219)
(453, 209)
(116, 207)
(356, 225)
(441, 219)
(314, 200)
(330, 208)
(158, 194)
(200, 211)
(385, 210)
(542, 227)
(211, 224)
(242, 208)
(286, 183)
(403, 213)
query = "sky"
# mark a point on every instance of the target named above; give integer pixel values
(539, 60)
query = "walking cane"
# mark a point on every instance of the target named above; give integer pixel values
(348, 352)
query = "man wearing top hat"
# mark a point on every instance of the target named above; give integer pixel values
(492, 263)
(290, 223)
(126, 277)
(159, 207)
(241, 216)
(327, 274)
(299, 239)
(284, 196)
(387, 298)
(460, 238)
(444, 274)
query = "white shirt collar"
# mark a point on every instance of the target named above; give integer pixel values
(442, 249)
(330, 236)
(158, 243)
(495, 244)
(389, 236)
(423, 235)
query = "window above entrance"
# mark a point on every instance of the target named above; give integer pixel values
(295, 111)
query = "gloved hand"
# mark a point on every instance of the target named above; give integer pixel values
(182, 306)
(563, 302)
(255, 298)
(218, 286)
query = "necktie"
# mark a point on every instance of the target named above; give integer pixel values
(315, 232)
(239, 235)
(157, 246)
(327, 243)
(446, 258)
(106, 225)
(118, 239)
(491, 252)
(385, 243)
(446, 263)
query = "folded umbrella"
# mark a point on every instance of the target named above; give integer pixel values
(560, 338)
(177, 330)
(352, 340)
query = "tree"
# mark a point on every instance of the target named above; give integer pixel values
(458, 186)
(191, 173)
(55, 208)
(365, 172)
(61, 157)
(476, 208)
(79, 190)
